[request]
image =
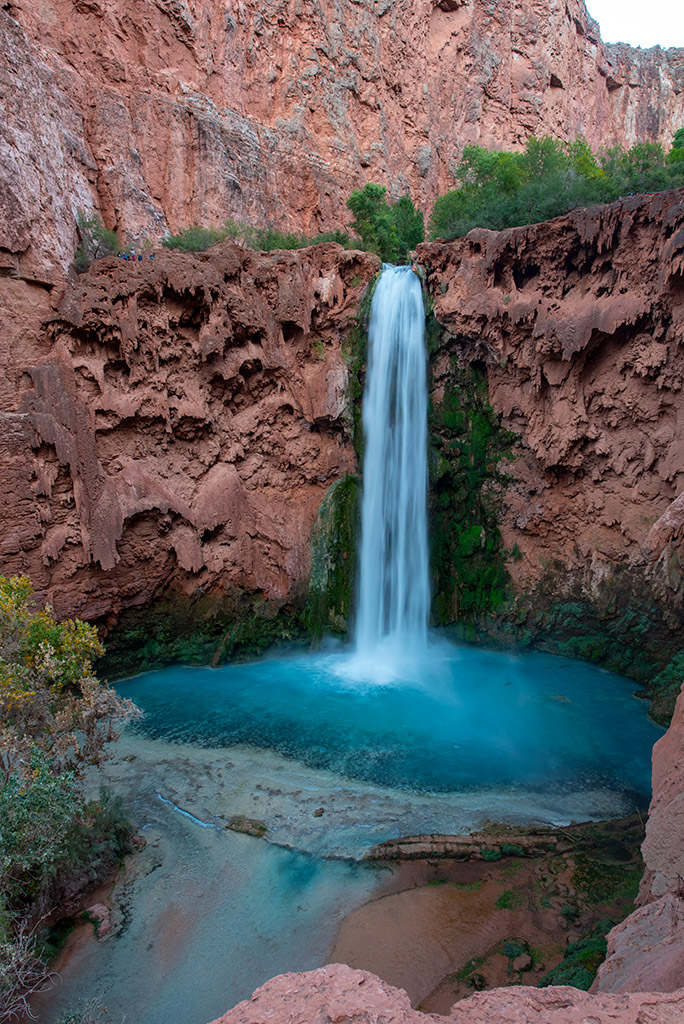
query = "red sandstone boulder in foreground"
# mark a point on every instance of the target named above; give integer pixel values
(337, 994)
(646, 951)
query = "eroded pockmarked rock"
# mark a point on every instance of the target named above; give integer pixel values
(646, 950)
(579, 323)
(175, 423)
(339, 995)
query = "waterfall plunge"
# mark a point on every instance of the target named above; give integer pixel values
(394, 594)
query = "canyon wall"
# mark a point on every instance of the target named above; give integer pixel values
(172, 427)
(162, 113)
(578, 326)
(174, 424)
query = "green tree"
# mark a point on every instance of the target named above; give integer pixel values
(96, 241)
(409, 225)
(373, 221)
(56, 720)
(676, 154)
(50, 699)
(389, 231)
(500, 190)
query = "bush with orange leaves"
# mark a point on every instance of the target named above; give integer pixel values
(56, 720)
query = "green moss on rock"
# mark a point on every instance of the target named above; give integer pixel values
(199, 630)
(334, 558)
(355, 353)
(467, 443)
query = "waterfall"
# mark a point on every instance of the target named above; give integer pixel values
(394, 587)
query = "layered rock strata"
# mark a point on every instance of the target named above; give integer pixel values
(175, 424)
(169, 112)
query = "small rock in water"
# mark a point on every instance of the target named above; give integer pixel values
(522, 962)
(250, 826)
(98, 915)
(319, 812)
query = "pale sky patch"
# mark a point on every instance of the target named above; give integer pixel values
(639, 23)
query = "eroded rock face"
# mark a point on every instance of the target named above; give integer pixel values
(646, 951)
(162, 114)
(339, 995)
(580, 324)
(175, 423)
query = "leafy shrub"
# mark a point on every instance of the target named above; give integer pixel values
(581, 960)
(513, 948)
(56, 719)
(500, 189)
(199, 239)
(389, 231)
(50, 699)
(37, 811)
(512, 850)
(96, 241)
(195, 239)
(510, 899)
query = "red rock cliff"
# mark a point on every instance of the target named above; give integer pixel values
(580, 324)
(162, 113)
(175, 423)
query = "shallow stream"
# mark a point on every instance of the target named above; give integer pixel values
(333, 755)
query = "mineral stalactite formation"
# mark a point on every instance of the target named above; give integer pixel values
(178, 422)
(579, 323)
(161, 114)
(189, 414)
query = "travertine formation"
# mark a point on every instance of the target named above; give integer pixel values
(175, 423)
(340, 995)
(162, 113)
(580, 323)
(188, 413)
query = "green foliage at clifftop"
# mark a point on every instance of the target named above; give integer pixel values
(389, 231)
(96, 241)
(501, 190)
(467, 443)
(198, 239)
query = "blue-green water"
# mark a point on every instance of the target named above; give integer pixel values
(459, 719)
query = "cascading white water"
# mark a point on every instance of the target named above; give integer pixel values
(394, 592)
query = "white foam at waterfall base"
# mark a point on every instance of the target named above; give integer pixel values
(394, 593)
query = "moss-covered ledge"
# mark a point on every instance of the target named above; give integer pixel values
(332, 585)
(201, 629)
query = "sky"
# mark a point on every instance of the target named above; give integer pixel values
(640, 22)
